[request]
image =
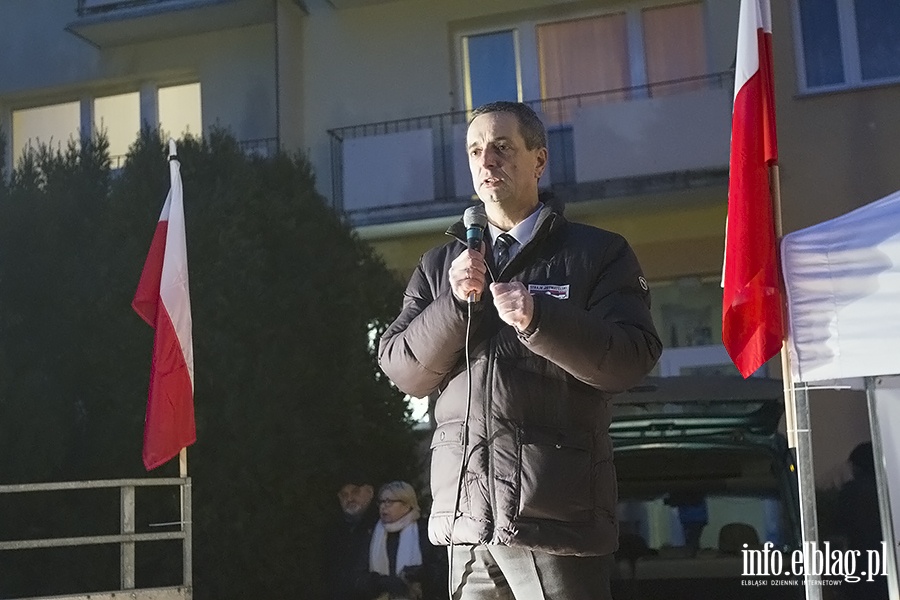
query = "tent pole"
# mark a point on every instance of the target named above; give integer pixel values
(881, 482)
(807, 486)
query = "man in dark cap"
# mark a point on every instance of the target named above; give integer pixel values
(347, 541)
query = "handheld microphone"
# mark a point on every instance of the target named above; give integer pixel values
(475, 220)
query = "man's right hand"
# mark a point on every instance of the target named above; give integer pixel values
(467, 274)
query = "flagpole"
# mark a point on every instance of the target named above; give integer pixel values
(182, 473)
(182, 455)
(796, 414)
(186, 516)
(754, 311)
(796, 402)
(182, 463)
(790, 412)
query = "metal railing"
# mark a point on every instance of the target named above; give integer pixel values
(127, 537)
(117, 161)
(559, 110)
(556, 112)
(93, 7)
(442, 157)
(261, 147)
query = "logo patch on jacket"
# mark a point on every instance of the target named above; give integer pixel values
(560, 292)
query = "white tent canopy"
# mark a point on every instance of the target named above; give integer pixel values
(843, 294)
(843, 300)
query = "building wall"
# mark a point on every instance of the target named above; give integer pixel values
(683, 238)
(236, 67)
(290, 59)
(36, 53)
(402, 58)
(693, 247)
(837, 151)
(395, 60)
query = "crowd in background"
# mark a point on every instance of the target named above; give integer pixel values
(378, 548)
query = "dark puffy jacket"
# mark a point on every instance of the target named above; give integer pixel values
(346, 554)
(539, 472)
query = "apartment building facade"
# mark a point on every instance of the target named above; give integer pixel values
(636, 95)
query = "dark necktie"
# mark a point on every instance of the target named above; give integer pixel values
(503, 242)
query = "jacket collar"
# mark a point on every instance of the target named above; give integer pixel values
(548, 220)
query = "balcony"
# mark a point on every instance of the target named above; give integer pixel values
(258, 148)
(609, 144)
(110, 23)
(344, 4)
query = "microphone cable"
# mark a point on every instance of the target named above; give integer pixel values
(463, 460)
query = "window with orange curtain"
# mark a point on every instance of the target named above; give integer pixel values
(583, 56)
(674, 47)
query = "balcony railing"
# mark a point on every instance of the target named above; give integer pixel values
(414, 168)
(127, 538)
(262, 147)
(111, 23)
(93, 7)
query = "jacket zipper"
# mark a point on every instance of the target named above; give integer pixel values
(489, 432)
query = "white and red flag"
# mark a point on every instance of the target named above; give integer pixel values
(163, 301)
(752, 319)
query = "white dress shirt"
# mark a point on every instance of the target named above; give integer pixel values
(522, 233)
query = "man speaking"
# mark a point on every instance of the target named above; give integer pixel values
(524, 337)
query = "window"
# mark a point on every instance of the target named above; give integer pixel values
(675, 47)
(53, 125)
(688, 312)
(847, 43)
(878, 31)
(118, 116)
(179, 110)
(664, 524)
(688, 317)
(492, 68)
(589, 58)
(584, 56)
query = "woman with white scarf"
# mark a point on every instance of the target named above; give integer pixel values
(402, 561)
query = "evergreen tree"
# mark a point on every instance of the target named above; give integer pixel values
(285, 300)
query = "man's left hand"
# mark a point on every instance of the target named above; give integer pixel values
(514, 304)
